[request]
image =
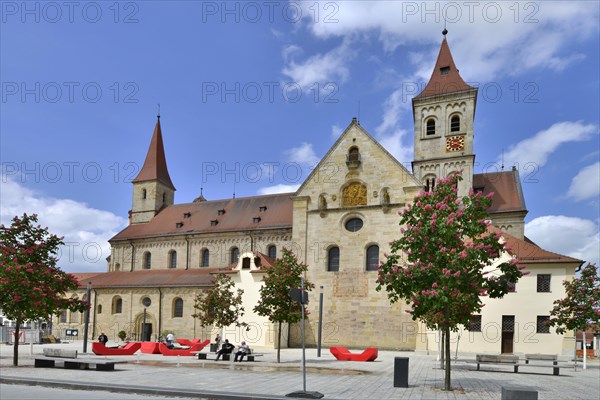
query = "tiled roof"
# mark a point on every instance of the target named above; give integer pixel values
(445, 77)
(155, 165)
(528, 252)
(149, 278)
(244, 213)
(506, 186)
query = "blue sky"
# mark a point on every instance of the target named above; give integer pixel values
(253, 94)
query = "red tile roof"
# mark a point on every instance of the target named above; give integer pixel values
(443, 83)
(155, 165)
(239, 214)
(506, 186)
(528, 252)
(149, 278)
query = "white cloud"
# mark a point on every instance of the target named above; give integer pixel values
(303, 154)
(393, 143)
(86, 230)
(571, 236)
(321, 69)
(280, 188)
(538, 148)
(586, 184)
(528, 36)
(336, 131)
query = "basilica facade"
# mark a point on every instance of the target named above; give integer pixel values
(340, 222)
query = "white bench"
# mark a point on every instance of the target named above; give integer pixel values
(68, 359)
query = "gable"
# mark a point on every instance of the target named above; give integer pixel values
(370, 170)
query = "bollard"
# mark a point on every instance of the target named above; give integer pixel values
(519, 393)
(401, 372)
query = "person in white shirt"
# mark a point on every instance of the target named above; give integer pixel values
(242, 351)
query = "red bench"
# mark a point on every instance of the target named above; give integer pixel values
(187, 342)
(192, 351)
(150, 348)
(343, 354)
(101, 350)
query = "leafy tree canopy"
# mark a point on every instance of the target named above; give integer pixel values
(221, 305)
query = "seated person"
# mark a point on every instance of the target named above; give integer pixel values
(242, 351)
(227, 348)
(170, 340)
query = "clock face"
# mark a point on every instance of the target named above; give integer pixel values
(455, 143)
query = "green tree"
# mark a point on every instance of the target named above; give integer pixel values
(31, 285)
(221, 305)
(275, 301)
(580, 309)
(438, 264)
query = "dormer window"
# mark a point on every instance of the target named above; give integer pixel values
(262, 208)
(178, 224)
(444, 70)
(221, 212)
(455, 124)
(430, 127)
(214, 222)
(256, 220)
(187, 215)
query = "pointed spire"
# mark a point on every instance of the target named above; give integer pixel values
(155, 165)
(445, 77)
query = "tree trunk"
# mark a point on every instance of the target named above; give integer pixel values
(584, 351)
(16, 344)
(442, 351)
(279, 343)
(447, 385)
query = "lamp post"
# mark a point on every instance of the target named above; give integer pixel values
(87, 317)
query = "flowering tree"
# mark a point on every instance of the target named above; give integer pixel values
(438, 264)
(580, 309)
(31, 285)
(221, 305)
(275, 300)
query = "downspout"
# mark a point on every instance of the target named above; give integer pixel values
(159, 311)
(187, 253)
(132, 255)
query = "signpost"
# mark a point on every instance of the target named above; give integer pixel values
(300, 296)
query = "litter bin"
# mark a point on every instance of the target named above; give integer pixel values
(401, 372)
(213, 347)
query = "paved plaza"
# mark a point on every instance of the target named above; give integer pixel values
(189, 377)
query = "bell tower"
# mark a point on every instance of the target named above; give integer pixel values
(443, 114)
(152, 187)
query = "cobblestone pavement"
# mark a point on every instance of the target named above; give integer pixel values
(265, 378)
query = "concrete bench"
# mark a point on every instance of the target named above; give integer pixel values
(60, 353)
(506, 359)
(101, 364)
(541, 357)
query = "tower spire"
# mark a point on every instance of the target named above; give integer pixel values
(155, 165)
(445, 77)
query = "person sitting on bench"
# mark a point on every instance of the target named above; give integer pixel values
(242, 351)
(227, 348)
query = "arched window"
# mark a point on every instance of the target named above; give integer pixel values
(272, 252)
(455, 123)
(164, 197)
(353, 154)
(333, 259)
(117, 267)
(172, 259)
(177, 308)
(205, 258)
(99, 308)
(63, 317)
(74, 317)
(117, 305)
(147, 260)
(429, 183)
(144, 193)
(430, 127)
(372, 258)
(235, 255)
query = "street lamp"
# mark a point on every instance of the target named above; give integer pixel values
(87, 317)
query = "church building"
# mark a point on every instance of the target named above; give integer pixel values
(340, 223)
